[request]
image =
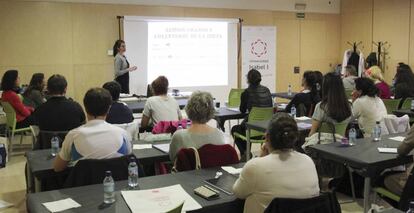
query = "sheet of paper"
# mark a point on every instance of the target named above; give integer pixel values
(282, 106)
(61, 205)
(129, 99)
(398, 138)
(303, 118)
(162, 147)
(232, 170)
(304, 125)
(159, 200)
(234, 109)
(142, 146)
(124, 95)
(387, 150)
(4, 204)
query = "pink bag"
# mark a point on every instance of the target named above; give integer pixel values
(168, 126)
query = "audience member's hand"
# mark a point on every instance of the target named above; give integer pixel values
(131, 69)
(264, 150)
(355, 95)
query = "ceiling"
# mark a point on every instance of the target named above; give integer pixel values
(317, 6)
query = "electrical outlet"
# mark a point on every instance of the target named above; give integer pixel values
(296, 70)
(110, 52)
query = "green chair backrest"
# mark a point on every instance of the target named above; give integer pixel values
(178, 209)
(349, 93)
(407, 103)
(391, 104)
(234, 97)
(340, 128)
(10, 115)
(259, 114)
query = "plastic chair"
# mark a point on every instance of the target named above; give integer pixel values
(257, 114)
(391, 105)
(348, 93)
(406, 196)
(234, 97)
(177, 209)
(11, 125)
(407, 103)
(340, 128)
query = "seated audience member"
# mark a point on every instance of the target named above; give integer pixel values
(396, 182)
(309, 96)
(58, 113)
(349, 78)
(119, 113)
(281, 172)
(334, 107)
(375, 74)
(10, 84)
(96, 139)
(200, 110)
(367, 107)
(403, 83)
(160, 107)
(33, 96)
(255, 95)
(318, 79)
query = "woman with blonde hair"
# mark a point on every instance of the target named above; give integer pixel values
(375, 74)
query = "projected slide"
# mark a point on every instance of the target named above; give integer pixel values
(190, 53)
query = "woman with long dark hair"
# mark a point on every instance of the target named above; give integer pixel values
(308, 97)
(33, 96)
(367, 107)
(404, 83)
(9, 83)
(121, 66)
(334, 106)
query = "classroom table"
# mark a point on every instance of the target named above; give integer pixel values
(284, 95)
(90, 197)
(40, 164)
(402, 112)
(138, 105)
(261, 126)
(223, 114)
(364, 158)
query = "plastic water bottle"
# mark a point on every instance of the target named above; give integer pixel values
(179, 127)
(293, 111)
(132, 174)
(109, 188)
(54, 144)
(412, 105)
(411, 207)
(352, 135)
(377, 132)
(290, 90)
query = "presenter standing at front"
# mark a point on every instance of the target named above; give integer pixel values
(121, 66)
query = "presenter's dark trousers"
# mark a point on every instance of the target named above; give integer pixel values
(123, 80)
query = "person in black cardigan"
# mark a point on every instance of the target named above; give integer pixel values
(403, 83)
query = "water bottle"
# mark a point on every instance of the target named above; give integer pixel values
(352, 135)
(180, 126)
(109, 188)
(54, 144)
(293, 111)
(377, 132)
(290, 90)
(411, 207)
(132, 174)
(412, 105)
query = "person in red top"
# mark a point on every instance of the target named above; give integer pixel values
(9, 83)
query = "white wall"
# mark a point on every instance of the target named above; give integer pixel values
(316, 6)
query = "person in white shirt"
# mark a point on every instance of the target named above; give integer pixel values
(96, 139)
(160, 107)
(367, 107)
(281, 172)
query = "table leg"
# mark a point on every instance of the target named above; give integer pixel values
(367, 192)
(30, 180)
(37, 185)
(247, 144)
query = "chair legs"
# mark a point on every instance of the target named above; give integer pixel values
(351, 178)
(11, 138)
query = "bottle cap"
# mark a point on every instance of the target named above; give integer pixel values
(108, 173)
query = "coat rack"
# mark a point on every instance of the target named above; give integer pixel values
(355, 45)
(382, 51)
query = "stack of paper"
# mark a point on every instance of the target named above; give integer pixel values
(234, 109)
(387, 150)
(232, 170)
(61, 205)
(398, 138)
(142, 146)
(159, 200)
(130, 99)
